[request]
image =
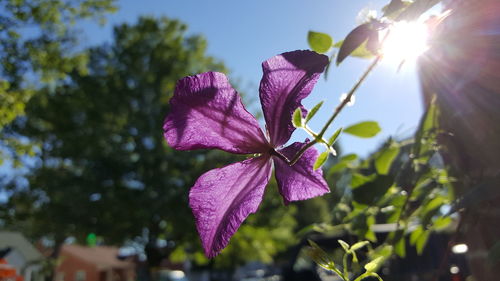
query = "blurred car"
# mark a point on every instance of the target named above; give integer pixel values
(171, 275)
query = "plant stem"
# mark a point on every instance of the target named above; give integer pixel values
(338, 109)
(340, 274)
(341, 106)
(279, 155)
(344, 263)
(362, 276)
(368, 274)
(301, 151)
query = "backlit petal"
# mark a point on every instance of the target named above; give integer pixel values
(299, 181)
(206, 112)
(222, 198)
(288, 78)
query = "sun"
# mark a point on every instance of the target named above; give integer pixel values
(405, 42)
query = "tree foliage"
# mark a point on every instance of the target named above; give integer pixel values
(38, 46)
(102, 165)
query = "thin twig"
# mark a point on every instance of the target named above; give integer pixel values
(301, 151)
(341, 106)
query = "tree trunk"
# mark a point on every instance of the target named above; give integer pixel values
(58, 243)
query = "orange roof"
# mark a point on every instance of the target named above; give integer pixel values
(101, 256)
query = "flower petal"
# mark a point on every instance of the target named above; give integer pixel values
(288, 78)
(222, 198)
(299, 181)
(206, 112)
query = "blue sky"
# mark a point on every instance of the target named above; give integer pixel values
(245, 33)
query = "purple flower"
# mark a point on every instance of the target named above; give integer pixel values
(206, 112)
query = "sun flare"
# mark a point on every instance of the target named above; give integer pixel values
(405, 42)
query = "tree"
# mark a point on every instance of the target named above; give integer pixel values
(37, 46)
(103, 165)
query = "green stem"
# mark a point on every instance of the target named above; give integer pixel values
(368, 274)
(340, 274)
(341, 106)
(344, 263)
(362, 276)
(279, 155)
(301, 151)
(310, 132)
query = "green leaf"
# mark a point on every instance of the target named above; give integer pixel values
(340, 166)
(400, 247)
(441, 223)
(359, 245)
(370, 235)
(358, 179)
(313, 111)
(416, 234)
(384, 160)
(365, 129)
(319, 42)
(319, 256)
(374, 265)
(422, 241)
(426, 125)
(344, 245)
(430, 119)
(370, 192)
(354, 257)
(178, 255)
(383, 250)
(419, 238)
(297, 118)
(393, 9)
(349, 157)
(305, 230)
(362, 52)
(353, 40)
(334, 137)
(321, 160)
(343, 163)
(433, 204)
(444, 178)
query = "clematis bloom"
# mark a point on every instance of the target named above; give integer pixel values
(207, 113)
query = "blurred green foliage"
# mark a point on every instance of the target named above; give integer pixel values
(38, 46)
(404, 184)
